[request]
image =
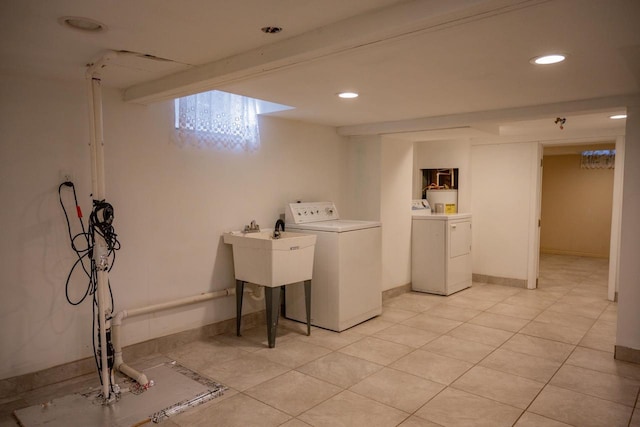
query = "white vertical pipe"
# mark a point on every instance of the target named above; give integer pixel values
(98, 192)
(96, 84)
(100, 246)
(102, 312)
(92, 133)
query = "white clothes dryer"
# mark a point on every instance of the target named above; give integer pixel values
(346, 282)
(441, 260)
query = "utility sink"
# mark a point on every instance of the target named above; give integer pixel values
(260, 259)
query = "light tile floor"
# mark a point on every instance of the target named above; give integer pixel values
(487, 356)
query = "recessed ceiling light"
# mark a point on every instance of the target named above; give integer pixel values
(347, 95)
(548, 59)
(271, 30)
(82, 24)
(618, 116)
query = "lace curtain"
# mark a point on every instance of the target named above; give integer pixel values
(217, 120)
(598, 159)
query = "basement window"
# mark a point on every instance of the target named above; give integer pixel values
(598, 159)
(221, 120)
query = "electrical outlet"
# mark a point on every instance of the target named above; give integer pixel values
(65, 175)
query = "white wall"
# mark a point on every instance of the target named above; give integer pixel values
(395, 211)
(497, 184)
(43, 131)
(616, 217)
(362, 179)
(504, 178)
(171, 206)
(445, 154)
(378, 188)
(628, 331)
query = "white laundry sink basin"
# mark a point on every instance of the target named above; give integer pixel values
(259, 258)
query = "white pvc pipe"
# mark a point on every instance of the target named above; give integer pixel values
(92, 135)
(98, 192)
(96, 143)
(119, 364)
(179, 302)
(102, 310)
(116, 323)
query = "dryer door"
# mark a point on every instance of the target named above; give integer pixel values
(459, 238)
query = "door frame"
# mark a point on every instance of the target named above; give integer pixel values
(616, 221)
(616, 214)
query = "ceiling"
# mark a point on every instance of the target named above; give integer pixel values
(425, 69)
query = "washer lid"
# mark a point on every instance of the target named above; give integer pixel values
(442, 217)
(336, 226)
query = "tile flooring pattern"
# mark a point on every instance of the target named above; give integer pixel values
(487, 356)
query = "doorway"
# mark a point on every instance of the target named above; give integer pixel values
(579, 208)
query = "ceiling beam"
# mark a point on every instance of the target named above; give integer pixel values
(491, 116)
(406, 19)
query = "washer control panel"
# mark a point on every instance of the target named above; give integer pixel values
(301, 213)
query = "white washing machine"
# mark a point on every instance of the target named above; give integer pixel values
(440, 251)
(346, 286)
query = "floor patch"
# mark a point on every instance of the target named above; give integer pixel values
(175, 390)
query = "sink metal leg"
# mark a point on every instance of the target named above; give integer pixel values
(272, 302)
(283, 299)
(239, 295)
(307, 302)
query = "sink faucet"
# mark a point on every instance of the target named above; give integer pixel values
(278, 228)
(252, 228)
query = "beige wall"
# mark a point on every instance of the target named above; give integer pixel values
(576, 207)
